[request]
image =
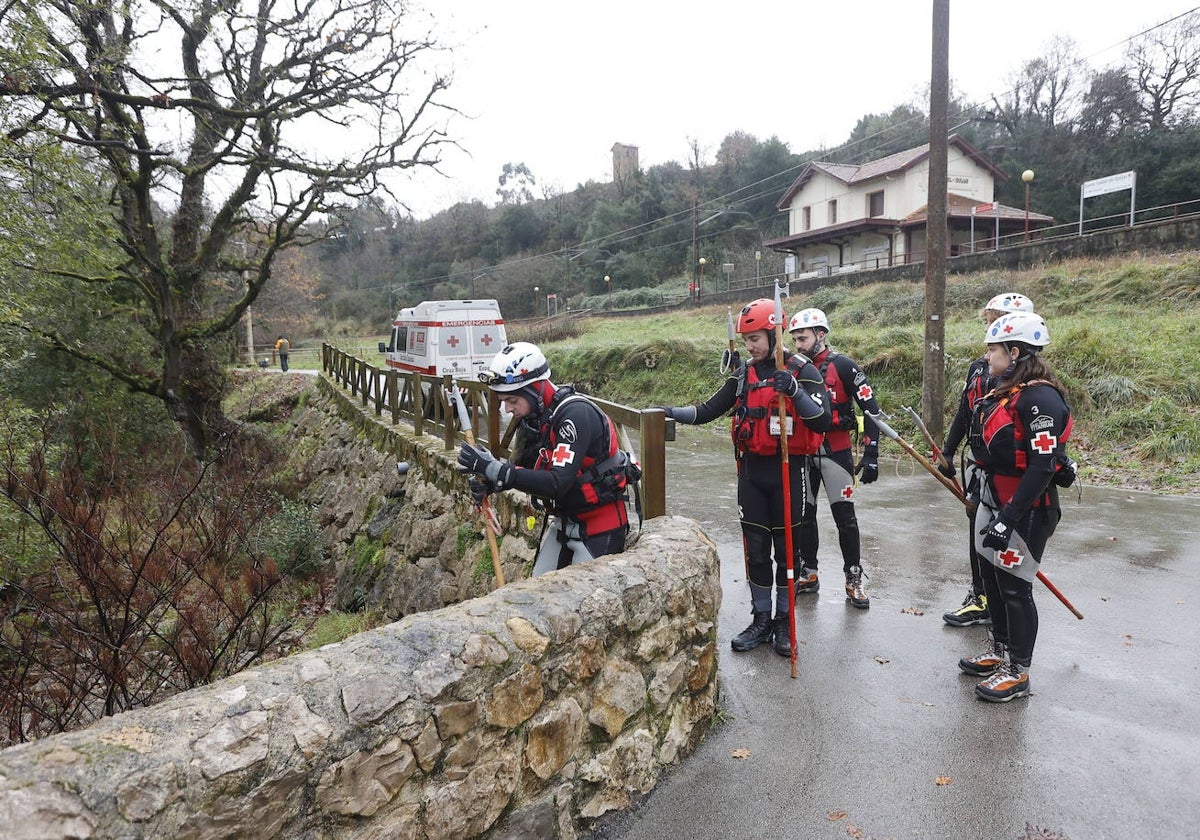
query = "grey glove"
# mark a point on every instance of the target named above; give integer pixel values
(476, 459)
(681, 414)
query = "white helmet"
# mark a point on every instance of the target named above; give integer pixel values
(1026, 327)
(1009, 302)
(809, 318)
(516, 366)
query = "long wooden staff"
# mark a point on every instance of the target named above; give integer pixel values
(888, 431)
(780, 364)
(491, 523)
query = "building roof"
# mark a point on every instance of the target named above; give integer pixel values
(959, 207)
(859, 173)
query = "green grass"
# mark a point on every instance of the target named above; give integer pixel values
(1124, 343)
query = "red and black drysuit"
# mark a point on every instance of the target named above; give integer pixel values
(749, 397)
(978, 383)
(1018, 438)
(833, 465)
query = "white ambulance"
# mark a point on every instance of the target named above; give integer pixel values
(446, 337)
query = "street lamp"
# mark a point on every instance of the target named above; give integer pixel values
(537, 290)
(608, 284)
(700, 284)
(1027, 177)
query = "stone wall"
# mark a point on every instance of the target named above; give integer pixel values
(522, 712)
(399, 544)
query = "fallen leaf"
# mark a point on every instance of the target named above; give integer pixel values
(912, 611)
(741, 753)
(854, 831)
(943, 780)
(1112, 539)
(833, 816)
(881, 660)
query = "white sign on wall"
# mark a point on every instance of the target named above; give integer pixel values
(1109, 184)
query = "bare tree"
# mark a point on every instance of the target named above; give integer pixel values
(202, 118)
(139, 579)
(1164, 64)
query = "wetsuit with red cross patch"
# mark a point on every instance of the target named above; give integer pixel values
(833, 466)
(1018, 438)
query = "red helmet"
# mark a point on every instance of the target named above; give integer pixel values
(757, 315)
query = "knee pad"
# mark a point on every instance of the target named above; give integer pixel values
(843, 515)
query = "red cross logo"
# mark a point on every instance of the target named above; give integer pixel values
(1010, 557)
(1044, 443)
(452, 341)
(1007, 328)
(865, 392)
(847, 492)
(562, 454)
(486, 340)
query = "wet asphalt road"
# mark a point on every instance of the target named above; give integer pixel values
(1107, 746)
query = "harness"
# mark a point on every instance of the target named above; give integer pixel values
(991, 416)
(844, 418)
(602, 484)
(755, 427)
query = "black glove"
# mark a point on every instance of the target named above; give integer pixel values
(869, 465)
(476, 459)
(481, 488)
(785, 383)
(998, 532)
(945, 464)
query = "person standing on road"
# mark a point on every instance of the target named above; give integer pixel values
(751, 393)
(571, 461)
(1018, 439)
(834, 465)
(283, 347)
(974, 609)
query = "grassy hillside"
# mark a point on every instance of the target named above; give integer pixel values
(1125, 343)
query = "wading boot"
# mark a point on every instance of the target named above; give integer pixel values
(1008, 683)
(984, 663)
(759, 631)
(974, 610)
(854, 588)
(782, 636)
(806, 581)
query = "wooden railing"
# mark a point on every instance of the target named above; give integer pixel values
(421, 400)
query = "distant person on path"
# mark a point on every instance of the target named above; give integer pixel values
(834, 464)
(974, 609)
(283, 347)
(571, 461)
(751, 393)
(1018, 438)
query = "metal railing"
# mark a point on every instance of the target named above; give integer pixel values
(421, 400)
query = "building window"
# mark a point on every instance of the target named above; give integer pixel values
(874, 204)
(833, 212)
(806, 215)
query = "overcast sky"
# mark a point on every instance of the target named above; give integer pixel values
(554, 84)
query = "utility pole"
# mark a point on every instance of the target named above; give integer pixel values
(934, 368)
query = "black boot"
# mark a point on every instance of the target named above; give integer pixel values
(782, 640)
(758, 632)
